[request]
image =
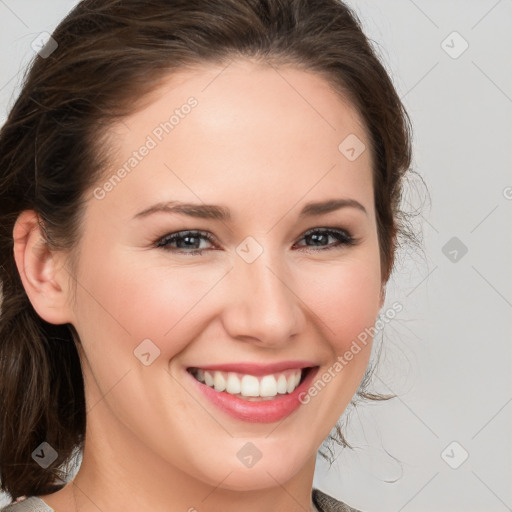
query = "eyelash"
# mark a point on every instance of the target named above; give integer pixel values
(344, 238)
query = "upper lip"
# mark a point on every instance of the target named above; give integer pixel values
(257, 369)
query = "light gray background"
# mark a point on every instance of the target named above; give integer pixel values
(448, 353)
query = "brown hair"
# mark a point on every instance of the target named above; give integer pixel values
(110, 54)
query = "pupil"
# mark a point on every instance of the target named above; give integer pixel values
(316, 237)
(187, 240)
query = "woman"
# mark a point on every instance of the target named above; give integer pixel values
(199, 215)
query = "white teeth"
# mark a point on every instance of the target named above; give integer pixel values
(219, 382)
(281, 384)
(208, 379)
(250, 386)
(233, 385)
(266, 386)
(290, 386)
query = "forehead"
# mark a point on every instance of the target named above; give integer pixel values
(255, 129)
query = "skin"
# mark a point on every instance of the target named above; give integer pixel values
(262, 143)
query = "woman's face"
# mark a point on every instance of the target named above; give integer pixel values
(261, 144)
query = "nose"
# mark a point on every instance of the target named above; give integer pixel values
(262, 305)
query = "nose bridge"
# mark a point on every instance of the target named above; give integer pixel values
(265, 307)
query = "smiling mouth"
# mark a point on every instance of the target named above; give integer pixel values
(251, 387)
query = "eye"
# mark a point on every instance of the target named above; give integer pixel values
(320, 235)
(189, 242)
(185, 240)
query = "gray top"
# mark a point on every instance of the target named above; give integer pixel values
(323, 502)
(31, 504)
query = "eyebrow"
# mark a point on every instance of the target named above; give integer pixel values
(211, 211)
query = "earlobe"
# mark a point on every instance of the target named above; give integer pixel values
(40, 271)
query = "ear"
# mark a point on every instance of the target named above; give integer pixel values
(41, 271)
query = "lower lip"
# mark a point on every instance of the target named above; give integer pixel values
(266, 411)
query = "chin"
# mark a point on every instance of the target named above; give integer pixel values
(267, 472)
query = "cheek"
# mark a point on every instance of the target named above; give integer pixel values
(346, 299)
(126, 303)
